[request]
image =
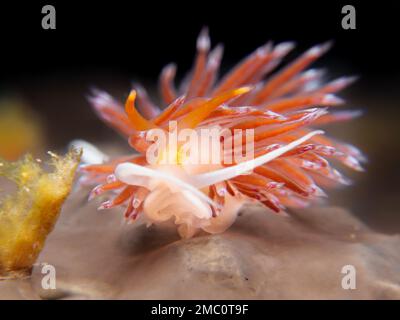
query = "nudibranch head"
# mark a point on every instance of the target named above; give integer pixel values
(176, 175)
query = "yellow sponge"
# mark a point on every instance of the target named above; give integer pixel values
(29, 215)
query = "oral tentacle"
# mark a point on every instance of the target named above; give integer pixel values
(130, 172)
(206, 179)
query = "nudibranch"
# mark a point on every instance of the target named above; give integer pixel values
(290, 162)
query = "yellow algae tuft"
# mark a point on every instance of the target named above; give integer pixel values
(29, 215)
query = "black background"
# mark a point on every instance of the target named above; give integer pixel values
(142, 309)
(139, 37)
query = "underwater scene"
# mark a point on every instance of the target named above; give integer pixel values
(200, 152)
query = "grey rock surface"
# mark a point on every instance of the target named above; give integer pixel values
(262, 256)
